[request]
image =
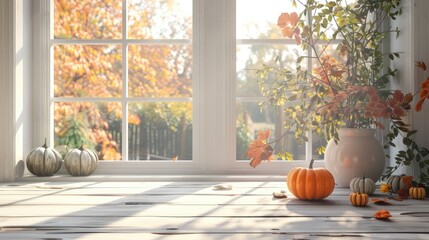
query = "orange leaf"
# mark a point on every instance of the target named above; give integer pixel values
(379, 201)
(283, 20)
(407, 180)
(264, 135)
(421, 65)
(419, 105)
(396, 198)
(382, 214)
(403, 193)
(293, 18)
(287, 32)
(259, 149)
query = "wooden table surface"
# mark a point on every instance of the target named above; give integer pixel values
(80, 209)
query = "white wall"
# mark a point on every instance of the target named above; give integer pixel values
(413, 46)
(421, 53)
(15, 87)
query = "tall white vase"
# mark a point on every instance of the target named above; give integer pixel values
(358, 153)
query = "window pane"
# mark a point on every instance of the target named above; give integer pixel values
(160, 19)
(160, 71)
(87, 19)
(257, 19)
(251, 118)
(87, 71)
(252, 57)
(98, 125)
(318, 143)
(160, 131)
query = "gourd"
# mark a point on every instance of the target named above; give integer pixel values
(359, 183)
(309, 183)
(360, 198)
(81, 162)
(43, 161)
(417, 192)
(396, 183)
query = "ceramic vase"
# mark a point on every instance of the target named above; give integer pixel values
(357, 154)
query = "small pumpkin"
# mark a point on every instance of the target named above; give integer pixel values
(360, 197)
(43, 161)
(417, 192)
(81, 162)
(359, 183)
(309, 183)
(396, 183)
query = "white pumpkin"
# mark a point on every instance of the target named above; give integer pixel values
(362, 185)
(396, 183)
(43, 161)
(81, 162)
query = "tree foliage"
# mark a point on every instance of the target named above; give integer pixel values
(96, 70)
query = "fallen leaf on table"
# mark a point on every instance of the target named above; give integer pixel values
(403, 193)
(222, 187)
(281, 194)
(396, 198)
(382, 214)
(379, 201)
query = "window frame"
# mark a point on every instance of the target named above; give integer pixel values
(214, 74)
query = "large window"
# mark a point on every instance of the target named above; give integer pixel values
(163, 86)
(122, 78)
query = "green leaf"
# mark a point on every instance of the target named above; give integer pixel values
(407, 141)
(412, 132)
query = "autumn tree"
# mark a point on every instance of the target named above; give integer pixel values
(90, 71)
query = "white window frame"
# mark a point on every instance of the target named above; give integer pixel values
(213, 100)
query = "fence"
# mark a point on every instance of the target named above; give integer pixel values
(148, 141)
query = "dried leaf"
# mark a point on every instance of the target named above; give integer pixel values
(379, 201)
(283, 20)
(259, 149)
(421, 65)
(396, 198)
(407, 180)
(403, 193)
(281, 194)
(222, 187)
(382, 214)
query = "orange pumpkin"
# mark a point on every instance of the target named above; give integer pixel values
(359, 199)
(417, 192)
(309, 183)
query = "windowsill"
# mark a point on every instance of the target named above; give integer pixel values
(153, 178)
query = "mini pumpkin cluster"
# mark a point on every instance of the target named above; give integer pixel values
(403, 185)
(45, 161)
(360, 191)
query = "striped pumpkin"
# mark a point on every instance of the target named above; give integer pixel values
(359, 199)
(43, 161)
(396, 183)
(417, 192)
(81, 162)
(362, 185)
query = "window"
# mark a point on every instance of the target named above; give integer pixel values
(148, 82)
(259, 41)
(122, 78)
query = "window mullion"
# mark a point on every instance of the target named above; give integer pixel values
(124, 140)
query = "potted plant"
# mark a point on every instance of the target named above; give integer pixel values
(349, 86)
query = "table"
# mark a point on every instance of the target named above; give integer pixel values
(102, 208)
